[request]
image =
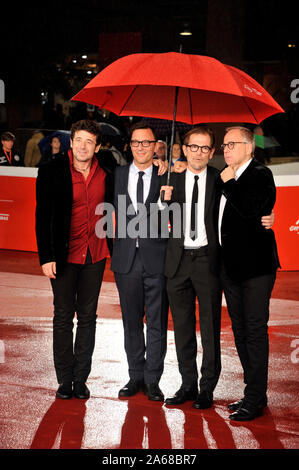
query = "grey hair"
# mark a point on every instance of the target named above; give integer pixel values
(246, 133)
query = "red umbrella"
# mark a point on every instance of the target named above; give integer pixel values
(208, 90)
(189, 88)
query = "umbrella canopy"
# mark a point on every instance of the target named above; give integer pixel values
(207, 90)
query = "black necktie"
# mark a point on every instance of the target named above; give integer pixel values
(193, 224)
(139, 193)
(140, 188)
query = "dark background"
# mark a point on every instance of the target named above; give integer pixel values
(40, 40)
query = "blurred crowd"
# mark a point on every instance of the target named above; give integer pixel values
(38, 146)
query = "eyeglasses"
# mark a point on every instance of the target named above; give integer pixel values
(195, 148)
(144, 143)
(231, 145)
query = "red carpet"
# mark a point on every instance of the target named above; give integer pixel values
(32, 418)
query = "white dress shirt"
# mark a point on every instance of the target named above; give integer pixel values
(132, 184)
(201, 239)
(133, 180)
(223, 199)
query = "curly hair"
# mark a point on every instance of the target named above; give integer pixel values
(89, 126)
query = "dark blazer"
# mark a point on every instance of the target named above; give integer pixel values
(248, 249)
(176, 245)
(152, 248)
(54, 198)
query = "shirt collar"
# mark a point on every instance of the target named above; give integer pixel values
(148, 171)
(200, 175)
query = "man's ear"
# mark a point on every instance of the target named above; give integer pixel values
(212, 154)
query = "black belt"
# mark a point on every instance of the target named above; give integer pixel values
(200, 251)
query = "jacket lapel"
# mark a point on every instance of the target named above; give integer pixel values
(182, 188)
(154, 187)
(209, 191)
(124, 189)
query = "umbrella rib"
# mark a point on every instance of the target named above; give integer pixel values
(250, 109)
(243, 98)
(127, 100)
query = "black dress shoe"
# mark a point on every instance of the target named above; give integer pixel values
(182, 395)
(204, 400)
(153, 392)
(131, 388)
(65, 391)
(81, 391)
(237, 404)
(246, 412)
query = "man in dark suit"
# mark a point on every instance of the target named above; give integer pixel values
(72, 256)
(138, 264)
(192, 269)
(249, 263)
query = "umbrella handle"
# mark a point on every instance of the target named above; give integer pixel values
(171, 141)
(167, 183)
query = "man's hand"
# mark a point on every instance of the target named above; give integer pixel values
(49, 269)
(268, 220)
(163, 165)
(179, 167)
(167, 192)
(227, 174)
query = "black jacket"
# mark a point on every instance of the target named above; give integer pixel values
(152, 247)
(54, 198)
(175, 245)
(248, 249)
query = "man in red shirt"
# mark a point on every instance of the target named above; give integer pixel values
(72, 256)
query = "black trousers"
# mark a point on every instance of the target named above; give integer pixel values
(248, 308)
(194, 279)
(143, 295)
(76, 290)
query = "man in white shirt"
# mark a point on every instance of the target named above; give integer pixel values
(138, 265)
(191, 268)
(249, 263)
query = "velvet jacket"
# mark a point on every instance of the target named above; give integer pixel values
(54, 198)
(248, 249)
